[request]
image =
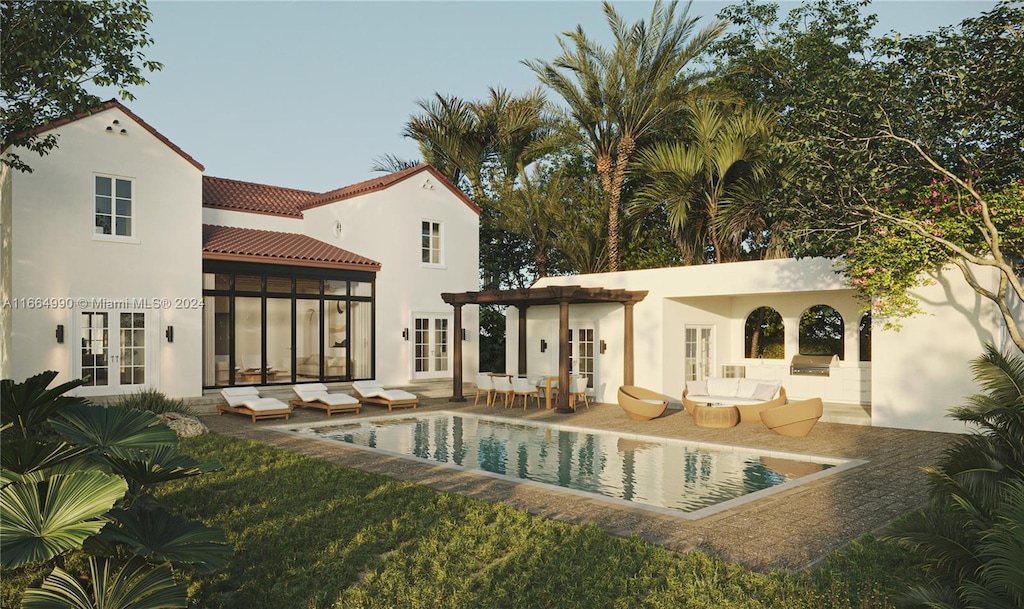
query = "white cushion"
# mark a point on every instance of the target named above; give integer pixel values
(368, 389)
(697, 387)
(265, 404)
(766, 391)
(238, 395)
(309, 388)
(396, 394)
(331, 399)
(746, 388)
(723, 387)
(652, 401)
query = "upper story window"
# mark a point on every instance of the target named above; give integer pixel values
(113, 206)
(430, 243)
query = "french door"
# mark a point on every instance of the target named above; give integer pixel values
(699, 352)
(581, 353)
(431, 357)
(114, 351)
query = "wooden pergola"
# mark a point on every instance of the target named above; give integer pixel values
(561, 295)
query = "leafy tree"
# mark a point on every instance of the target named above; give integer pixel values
(76, 476)
(971, 535)
(907, 150)
(617, 100)
(52, 53)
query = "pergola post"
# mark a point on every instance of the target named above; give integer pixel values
(522, 338)
(627, 344)
(457, 356)
(563, 356)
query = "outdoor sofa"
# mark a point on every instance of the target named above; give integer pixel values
(749, 396)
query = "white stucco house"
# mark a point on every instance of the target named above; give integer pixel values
(124, 263)
(697, 322)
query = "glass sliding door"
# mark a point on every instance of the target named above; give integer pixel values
(279, 340)
(114, 354)
(248, 340)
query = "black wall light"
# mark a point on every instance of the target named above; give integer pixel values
(604, 346)
(464, 334)
(543, 345)
(405, 333)
(60, 333)
(169, 334)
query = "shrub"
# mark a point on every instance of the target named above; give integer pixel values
(151, 400)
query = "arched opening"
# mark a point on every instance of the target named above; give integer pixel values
(865, 337)
(822, 332)
(764, 335)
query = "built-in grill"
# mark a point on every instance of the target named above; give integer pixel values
(811, 365)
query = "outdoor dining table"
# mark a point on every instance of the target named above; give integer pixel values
(547, 380)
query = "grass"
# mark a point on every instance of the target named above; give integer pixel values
(309, 533)
(154, 401)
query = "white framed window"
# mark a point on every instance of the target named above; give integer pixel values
(430, 243)
(114, 206)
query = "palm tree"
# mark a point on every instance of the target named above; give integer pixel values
(971, 536)
(620, 98)
(534, 210)
(453, 138)
(711, 180)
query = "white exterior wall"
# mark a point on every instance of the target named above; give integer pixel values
(56, 255)
(924, 369)
(385, 225)
(915, 376)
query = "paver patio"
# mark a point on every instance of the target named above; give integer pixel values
(792, 529)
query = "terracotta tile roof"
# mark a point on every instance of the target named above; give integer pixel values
(272, 247)
(384, 181)
(234, 195)
(113, 103)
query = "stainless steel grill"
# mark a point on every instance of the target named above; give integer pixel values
(811, 365)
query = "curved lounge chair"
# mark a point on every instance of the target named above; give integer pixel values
(315, 395)
(641, 404)
(794, 419)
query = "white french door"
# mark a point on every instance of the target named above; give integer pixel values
(699, 352)
(431, 336)
(581, 353)
(114, 351)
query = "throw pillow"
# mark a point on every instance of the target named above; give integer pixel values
(746, 388)
(697, 387)
(766, 391)
(723, 387)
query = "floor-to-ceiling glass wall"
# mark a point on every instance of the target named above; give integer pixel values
(266, 324)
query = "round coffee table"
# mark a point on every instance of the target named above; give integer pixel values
(716, 415)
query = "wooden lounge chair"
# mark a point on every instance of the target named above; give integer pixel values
(641, 404)
(372, 392)
(315, 395)
(247, 401)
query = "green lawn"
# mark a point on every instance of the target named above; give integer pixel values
(309, 533)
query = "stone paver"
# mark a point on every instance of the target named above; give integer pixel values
(792, 529)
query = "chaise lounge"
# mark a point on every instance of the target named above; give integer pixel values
(315, 395)
(372, 392)
(641, 404)
(749, 396)
(247, 401)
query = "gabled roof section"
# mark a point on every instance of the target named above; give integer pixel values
(385, 181)
(273, 247)
(113, 103)
(235, 195)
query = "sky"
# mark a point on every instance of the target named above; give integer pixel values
(307, 94)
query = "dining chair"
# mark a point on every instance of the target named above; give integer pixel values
(522, 386)
(578, 390)
(503, 387)
(485, 385)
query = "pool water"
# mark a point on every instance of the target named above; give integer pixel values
(665, 474)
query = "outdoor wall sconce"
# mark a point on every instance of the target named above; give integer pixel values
(604, 346)
(60, 333)
(405, 333)
(169, 334)
(464, 334)
(543, 345)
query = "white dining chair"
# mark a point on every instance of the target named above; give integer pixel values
(485, 385)
(522, 386)
(502, 387)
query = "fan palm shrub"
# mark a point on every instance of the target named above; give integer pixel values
(75, 476)
(971, 535)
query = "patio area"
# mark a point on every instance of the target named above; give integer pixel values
(792, 529)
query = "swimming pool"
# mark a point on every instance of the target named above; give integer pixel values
(662, 474)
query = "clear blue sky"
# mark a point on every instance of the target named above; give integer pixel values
(307, 94)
